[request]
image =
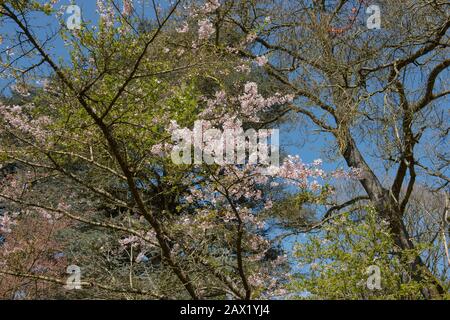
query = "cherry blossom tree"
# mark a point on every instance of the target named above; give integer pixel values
(96, 138)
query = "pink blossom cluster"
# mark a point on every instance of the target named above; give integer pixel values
(250, 103)
(210, 6)
(183, 28)
(143, 244)
(294, 171)
(106, 13)
(16, 119)
(50, 216)
(6, 222)
(261, 61)
(243, 68)
(127, 8)
(251, 37)
(205, 29)
(354, 173)
(264, 280)
(10, 186)
(158, 150)
(206, 8)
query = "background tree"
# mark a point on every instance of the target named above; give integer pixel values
(379, 94)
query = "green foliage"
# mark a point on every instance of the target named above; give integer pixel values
(334, 263)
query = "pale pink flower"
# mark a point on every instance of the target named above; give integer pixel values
(17, 120)
(210, 6)
(183, 28)
(251, 37)
(261, 61)
(315, 186)
(5, 223)
(106, 13)
(268, 205)
(256, 280)
(354, 173)
(63, 206)
(317, 162)
(231, 49)
(206, 29)
(243, 68)
(180, 52)
(158, 150)
(252, 102)
(133, 240)
(127, 8)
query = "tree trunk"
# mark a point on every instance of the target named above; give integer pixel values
(388, 209)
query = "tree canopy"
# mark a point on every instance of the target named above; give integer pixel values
(93, 114)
